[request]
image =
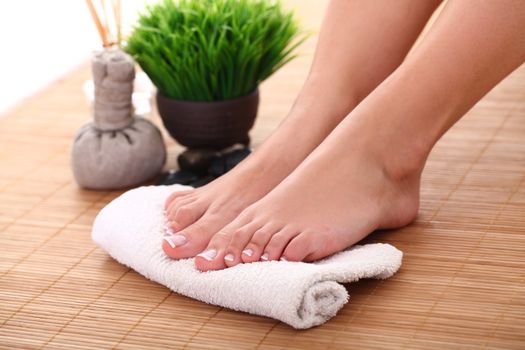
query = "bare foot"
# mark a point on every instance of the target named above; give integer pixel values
(348, 187)
(196, 215)
(342, 74)
(366, 173)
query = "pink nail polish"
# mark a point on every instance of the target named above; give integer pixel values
(229, 257)
(264, 257)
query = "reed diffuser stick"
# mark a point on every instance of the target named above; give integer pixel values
(100, 27)
(106, 23)
(118, 18)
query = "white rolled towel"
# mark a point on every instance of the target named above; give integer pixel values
(303, 295)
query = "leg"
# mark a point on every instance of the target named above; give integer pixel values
(360, 44)
(366, 174)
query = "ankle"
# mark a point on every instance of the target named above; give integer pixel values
(404, 164)
(400, 158)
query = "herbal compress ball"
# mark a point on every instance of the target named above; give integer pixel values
(118, 149)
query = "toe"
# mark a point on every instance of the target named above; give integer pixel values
(179, 202)
(213, 256)
(254, 250)
(175, 195)
(239, 239)
(311, 245)
(186, 215)
(278, 242)
(299, 247)
(193, 239)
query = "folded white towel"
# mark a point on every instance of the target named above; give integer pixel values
(303, 295)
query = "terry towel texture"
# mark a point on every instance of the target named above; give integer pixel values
(303, 295)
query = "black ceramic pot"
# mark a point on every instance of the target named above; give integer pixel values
(216, 124)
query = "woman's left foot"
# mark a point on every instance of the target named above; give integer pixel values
(348, 187)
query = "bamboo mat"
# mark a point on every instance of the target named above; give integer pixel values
(462, 284)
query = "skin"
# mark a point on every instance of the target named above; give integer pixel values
(343, 73)
(365, 175)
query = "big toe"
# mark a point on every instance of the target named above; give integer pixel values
(224, 247)
(186, 215)
(177, 194)
(193, 239)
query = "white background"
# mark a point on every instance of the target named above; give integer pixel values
(43, 39)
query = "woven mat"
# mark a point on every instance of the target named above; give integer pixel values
(462, 284)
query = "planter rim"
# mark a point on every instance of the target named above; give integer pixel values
(209, 103)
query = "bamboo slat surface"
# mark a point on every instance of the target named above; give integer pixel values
(462, 284)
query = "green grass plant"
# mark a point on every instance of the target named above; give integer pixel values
(213, 50)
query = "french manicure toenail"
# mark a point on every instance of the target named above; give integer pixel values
(168, 239)
(264, 257)
(283, 258)
(229, 257)
(248, 252)
(175, 240)
(208, 254)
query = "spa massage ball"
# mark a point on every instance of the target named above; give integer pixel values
(117, 149)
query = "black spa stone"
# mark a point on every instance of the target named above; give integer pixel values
(181, 177)
(196, 160)
(201, 166)
(202, 181)
(217, 166)
(220, 165)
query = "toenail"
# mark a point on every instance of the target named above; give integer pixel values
(283, 258)
(175, 240)
(168, 228)
(248, 252)
(229, 257)
(264, 257)
(208, 254)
